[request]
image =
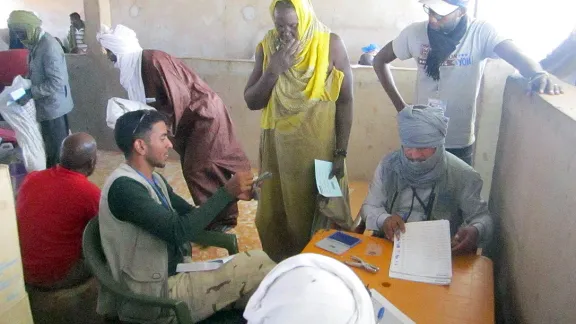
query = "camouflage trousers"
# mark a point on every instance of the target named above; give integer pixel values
(207, 292)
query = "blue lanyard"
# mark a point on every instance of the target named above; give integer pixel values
(156, 188)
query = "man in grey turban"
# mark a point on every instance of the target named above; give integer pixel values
(422, 181)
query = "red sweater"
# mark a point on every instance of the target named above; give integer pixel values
(53, 207)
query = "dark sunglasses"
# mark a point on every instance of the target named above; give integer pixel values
(144, 114)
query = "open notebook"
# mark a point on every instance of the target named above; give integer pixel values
(423, 253)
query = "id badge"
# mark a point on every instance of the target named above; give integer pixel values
(437, 103)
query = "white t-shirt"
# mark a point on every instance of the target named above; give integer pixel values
(460, 74)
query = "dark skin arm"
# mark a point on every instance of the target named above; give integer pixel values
(465, 241)
(382, 68)
(260, 85)
(261, 82)
(345, 102)
(529, 68)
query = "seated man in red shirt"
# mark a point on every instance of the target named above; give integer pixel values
(53, 207)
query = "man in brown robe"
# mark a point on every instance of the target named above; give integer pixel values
(203, 133)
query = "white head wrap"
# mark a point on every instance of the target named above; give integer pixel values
(123, 43)
(421, 127)
(310, 288)
(118, 107)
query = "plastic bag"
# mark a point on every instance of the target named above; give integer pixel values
(118, 107)
(22, 119)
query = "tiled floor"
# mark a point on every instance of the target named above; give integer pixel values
(245, 231)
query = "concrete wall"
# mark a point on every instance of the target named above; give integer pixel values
(488, 119)
(233, 28)
(533, 194)
(90, 91)
(54, 13)
(374, 131)
(228, 28)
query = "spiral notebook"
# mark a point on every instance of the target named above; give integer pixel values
(423, 253)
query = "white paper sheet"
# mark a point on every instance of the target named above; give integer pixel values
(326, 187)
(203, 266)
(423, 253)
(392, 315)
(16, 94)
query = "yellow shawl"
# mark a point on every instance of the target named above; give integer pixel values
(304, 84)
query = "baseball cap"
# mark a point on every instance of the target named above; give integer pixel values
(444, 7)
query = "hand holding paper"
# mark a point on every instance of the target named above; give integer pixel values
(327, 187)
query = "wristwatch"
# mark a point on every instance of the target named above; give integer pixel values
(340, 152)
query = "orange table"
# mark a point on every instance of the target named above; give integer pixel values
(468, 299)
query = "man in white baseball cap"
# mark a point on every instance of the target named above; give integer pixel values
(451, 49)
(444, 7)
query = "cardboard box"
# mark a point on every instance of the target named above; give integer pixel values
(13, 298)
(19, 313)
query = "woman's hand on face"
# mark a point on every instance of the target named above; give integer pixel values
(284, 58)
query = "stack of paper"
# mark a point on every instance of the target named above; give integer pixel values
(423, 253)
(203, 266)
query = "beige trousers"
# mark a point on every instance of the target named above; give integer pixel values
(207, 292)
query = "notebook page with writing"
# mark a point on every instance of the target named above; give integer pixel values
(423, 253)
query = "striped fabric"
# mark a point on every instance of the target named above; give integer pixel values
(79, 36)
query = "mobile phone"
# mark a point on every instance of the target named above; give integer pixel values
(264, 176)
(258, 182)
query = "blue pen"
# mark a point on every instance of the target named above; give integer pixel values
(378, 310)
(381, 314)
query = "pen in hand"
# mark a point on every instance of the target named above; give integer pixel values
(404, 219)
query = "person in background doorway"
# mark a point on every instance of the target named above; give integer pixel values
(49, 76)
(450, 50)
(368, 53)
(76, 35)
(53, 207)
(202, 130)
(422, 182)
(302, 82)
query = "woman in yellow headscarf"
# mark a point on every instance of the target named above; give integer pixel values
(303, 82)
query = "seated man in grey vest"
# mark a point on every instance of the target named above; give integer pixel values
(422, 181)
(146, 228)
